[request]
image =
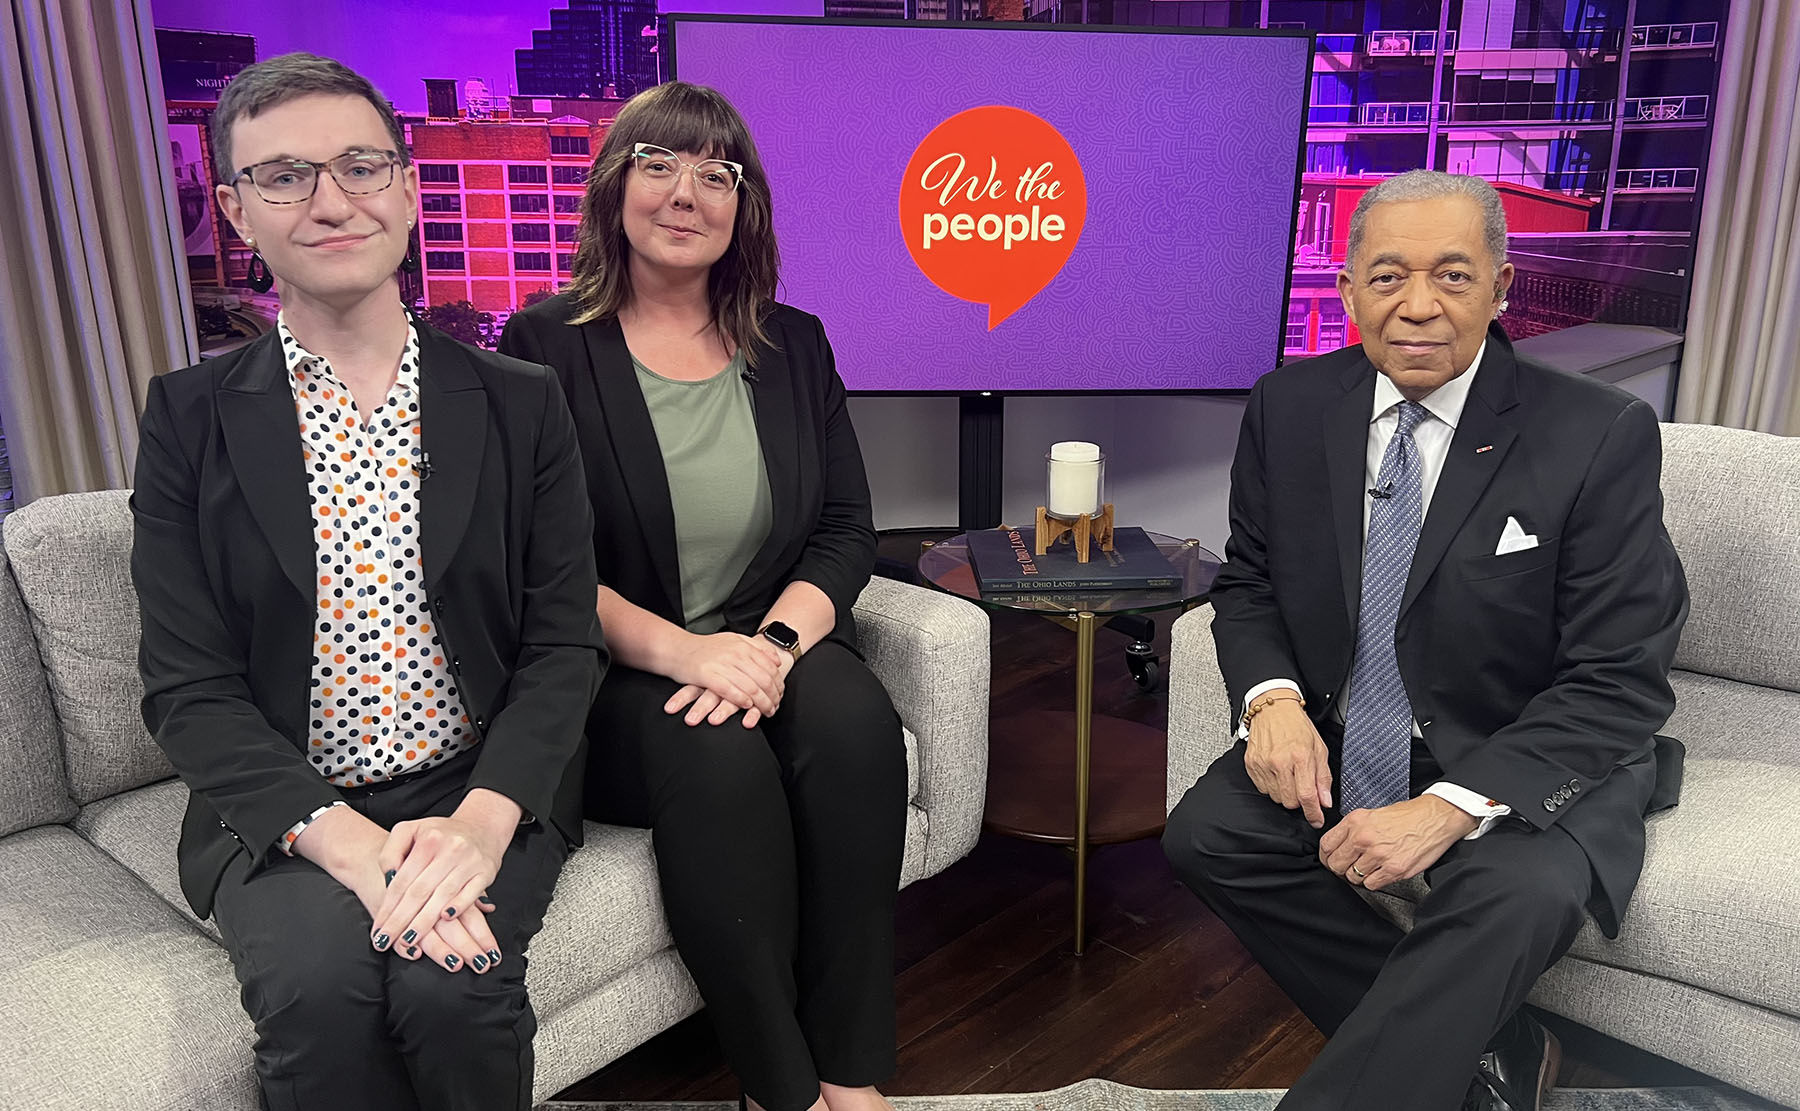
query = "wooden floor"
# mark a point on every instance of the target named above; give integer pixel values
(993, 999)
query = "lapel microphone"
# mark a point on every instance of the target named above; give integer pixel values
(1382, 491)
(423, 467)
(748, 375)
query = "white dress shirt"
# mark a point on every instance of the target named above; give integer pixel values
(1433, 436)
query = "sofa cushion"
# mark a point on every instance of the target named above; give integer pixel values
(114, 1001)
(1726, 720)
(33, 789)
(140, 829)
(1718, 906)
(606, 916)
(72, 558)
(1741, 553)
(609, 1020)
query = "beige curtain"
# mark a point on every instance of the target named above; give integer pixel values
(1741, 365)
(93, 289)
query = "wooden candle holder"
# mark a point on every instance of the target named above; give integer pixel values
(1083, 529)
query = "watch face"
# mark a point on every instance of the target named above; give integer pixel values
(781, 634)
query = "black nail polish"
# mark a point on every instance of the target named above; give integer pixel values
(410, 936)
(493, 956)
(381, 941)
(449, 912)
(451, 962)
(413, 951)
(389, 877)
(480, 962)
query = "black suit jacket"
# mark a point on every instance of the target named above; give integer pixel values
(1537, 677)
(823, 530)
(225, 569)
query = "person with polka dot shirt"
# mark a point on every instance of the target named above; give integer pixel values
(369, 645)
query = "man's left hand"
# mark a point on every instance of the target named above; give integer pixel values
(1374, 848)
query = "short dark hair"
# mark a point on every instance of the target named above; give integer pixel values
(741, 286)
(264, 85)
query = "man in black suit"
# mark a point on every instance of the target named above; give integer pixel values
(364, 566)
(1446, 618)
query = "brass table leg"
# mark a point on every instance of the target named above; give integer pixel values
(1084, 737)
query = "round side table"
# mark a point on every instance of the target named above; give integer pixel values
(1120, 781)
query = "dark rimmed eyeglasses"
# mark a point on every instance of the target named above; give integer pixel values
(295, 180)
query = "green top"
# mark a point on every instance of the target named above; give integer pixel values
(717, 483)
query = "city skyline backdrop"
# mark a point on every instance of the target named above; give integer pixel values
(396, 44)
(1597, 131)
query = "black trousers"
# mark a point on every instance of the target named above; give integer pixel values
(1408, 1014)
(779, 853)
(341, 1027)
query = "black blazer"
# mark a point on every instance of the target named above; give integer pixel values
(823, 530)
(1537, 677)
(224, 566)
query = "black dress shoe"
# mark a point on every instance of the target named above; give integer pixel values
(1520, 1068)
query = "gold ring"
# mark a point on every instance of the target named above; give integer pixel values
(1360, 874)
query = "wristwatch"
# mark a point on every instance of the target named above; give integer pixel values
(781, 636)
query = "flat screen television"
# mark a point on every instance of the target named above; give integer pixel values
(1022, 208)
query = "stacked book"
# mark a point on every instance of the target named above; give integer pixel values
(1007, 565)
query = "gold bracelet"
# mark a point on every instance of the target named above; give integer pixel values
(1269, 698)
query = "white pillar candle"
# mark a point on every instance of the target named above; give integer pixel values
(1075, 471)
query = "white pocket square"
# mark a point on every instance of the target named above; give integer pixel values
(1515, 539)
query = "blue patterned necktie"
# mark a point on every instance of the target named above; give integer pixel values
(1377, 758)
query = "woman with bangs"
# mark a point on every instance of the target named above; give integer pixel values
(733, 533)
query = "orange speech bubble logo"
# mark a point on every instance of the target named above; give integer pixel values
(992, 204)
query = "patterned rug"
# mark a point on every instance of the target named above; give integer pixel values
(1103, 1095)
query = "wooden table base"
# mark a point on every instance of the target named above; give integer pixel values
(1031, 770)
(1034, 758)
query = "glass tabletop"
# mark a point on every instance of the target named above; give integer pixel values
(946, 566)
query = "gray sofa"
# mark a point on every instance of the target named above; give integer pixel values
(119, 998)
(1706, 970)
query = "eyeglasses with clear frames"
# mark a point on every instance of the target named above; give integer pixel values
(715, 179)
(295, 180)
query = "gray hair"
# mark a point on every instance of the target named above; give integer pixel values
(267, 84)
(1424, 185)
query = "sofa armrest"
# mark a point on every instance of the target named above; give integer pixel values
(1199, 708)
(930, 650)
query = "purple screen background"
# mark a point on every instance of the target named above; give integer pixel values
(396, 44)
(1179, 279)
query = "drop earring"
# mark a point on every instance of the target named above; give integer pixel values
(258, 276)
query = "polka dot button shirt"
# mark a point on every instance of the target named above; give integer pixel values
(384, 702)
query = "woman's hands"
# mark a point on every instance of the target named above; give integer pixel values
(462, 942)
(727, 672)
(355, 851)
(436, 873)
